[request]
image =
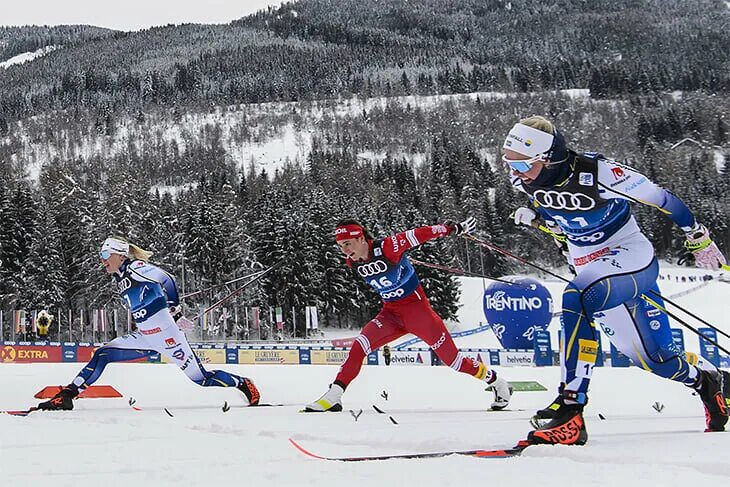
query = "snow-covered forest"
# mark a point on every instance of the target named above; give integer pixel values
(227, 148)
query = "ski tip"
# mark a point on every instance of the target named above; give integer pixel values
(305, 451)
(16, 413)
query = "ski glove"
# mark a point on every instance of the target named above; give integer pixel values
(467, 226)
(524, 216)
(176, 312)
(705, 251)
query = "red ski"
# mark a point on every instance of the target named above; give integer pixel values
(504, 453)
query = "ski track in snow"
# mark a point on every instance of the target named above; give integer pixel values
(106, 441)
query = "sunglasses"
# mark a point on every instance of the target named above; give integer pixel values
(523, 165)
(105, 254)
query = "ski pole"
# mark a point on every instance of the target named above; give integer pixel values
(189, 295)
(461, 272)
(670, 314)
(643, 296)
(490, 245)
(242, 288)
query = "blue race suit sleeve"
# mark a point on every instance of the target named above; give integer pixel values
(623, 182)
(147, 272)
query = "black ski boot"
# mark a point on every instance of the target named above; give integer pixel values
(62, 401)
(566, 428)
(250, 390)
(545, 415)
(715, 394)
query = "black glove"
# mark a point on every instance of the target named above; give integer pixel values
(467, 226)
(176, 312)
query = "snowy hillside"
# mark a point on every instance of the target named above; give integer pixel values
(27, 56)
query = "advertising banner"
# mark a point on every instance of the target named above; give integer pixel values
(410, 357)
(707, 349)
(516, 358)
(330, 357)
(516, 309)
(30, 353)
(267, 356)
(211, 355)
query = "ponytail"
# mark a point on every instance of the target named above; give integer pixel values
(138, 253)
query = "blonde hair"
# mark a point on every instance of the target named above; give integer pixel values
(135, 251)
(139, 253)
(540, 123)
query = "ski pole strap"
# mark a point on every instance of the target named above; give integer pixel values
(697, 246)
(560, 237)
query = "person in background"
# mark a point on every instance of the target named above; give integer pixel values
(386, 354)
(43, 323)
(383, 264)
(151, 296)
(586, 197)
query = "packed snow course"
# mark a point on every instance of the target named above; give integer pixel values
(107, 442)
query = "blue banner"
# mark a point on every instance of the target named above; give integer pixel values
(68, 352)
(618, 359)
(678, 337)
(543, 349)
(305, 356)
(707, 349)
(516, 309)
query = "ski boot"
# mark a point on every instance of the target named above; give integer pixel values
(567, 426)
(250, 391)
(713, 390)
(331, 401)
(545, 415)
(62, 401)
(502, 393)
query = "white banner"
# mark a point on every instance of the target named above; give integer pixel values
(312, 318)
(516, 359)
(408, 357)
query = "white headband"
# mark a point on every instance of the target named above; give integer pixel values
(116, 246)
(528, 141)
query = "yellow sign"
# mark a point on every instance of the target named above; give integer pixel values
(331, 357)
(211, 355)
(261, 356)
(7, 354)
(587, 350)
(206, 356)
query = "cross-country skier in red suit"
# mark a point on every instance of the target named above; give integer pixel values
(383, 265)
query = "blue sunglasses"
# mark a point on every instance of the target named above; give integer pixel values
(105, 254)
(522, 165)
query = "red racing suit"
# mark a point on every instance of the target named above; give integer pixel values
(406, 308)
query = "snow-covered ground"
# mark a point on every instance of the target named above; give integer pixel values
(105, 442)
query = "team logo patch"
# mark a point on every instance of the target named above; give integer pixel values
(585, 179)
(617, 172)
(564, 200)
(170, 342)
(372, 268)
(654, 325)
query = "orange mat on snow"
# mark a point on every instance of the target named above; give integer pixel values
(91, 391)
